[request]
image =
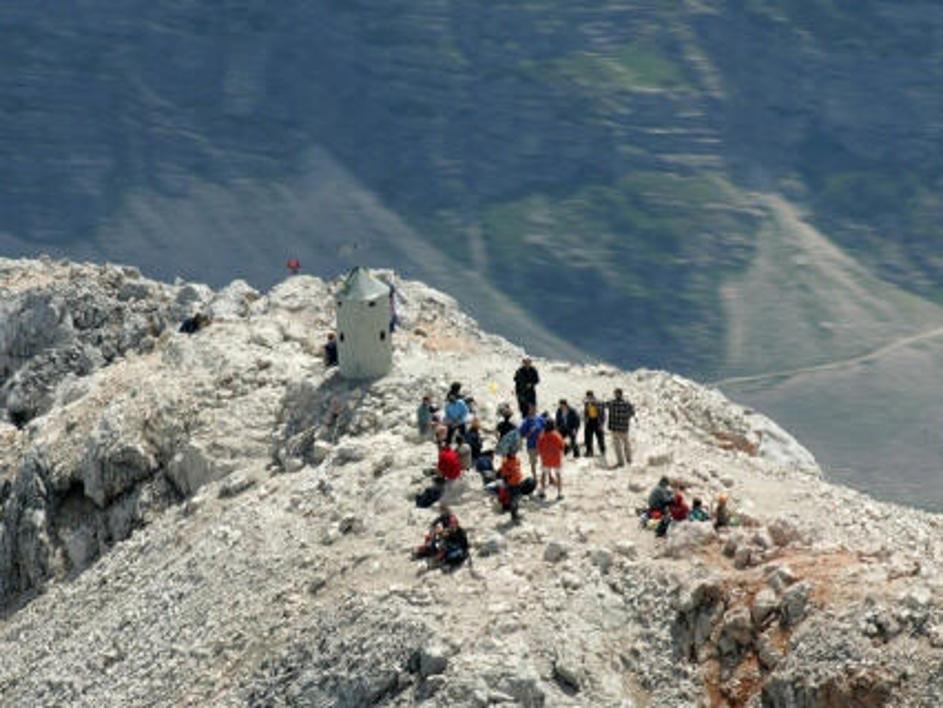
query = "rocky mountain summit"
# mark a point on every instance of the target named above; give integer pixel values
(217, 519)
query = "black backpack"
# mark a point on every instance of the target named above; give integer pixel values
(428, 496)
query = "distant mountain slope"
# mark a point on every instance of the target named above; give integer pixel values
(803, 302)
(584, 160)
(581, 175)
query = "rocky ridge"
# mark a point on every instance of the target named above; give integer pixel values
(217, 520)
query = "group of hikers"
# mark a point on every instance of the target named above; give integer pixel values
(666, 504)
(545, 441)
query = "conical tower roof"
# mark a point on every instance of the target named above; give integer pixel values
(361, 285)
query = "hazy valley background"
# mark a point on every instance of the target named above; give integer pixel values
(745, 192)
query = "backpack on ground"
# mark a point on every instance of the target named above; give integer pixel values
(429, 496)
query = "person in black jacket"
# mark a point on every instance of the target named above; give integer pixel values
(194, 324)
(330, 351)
(505, 425)
(525, 385)
(568, 423)
(594, 418)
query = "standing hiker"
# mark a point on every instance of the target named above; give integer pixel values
(530, 430)
(505, 425)
(456, 413)
(525, 385)
(620, 413)
(550, 445)
(594, 417)
(330, 351)
(473, 438)
(568, 424)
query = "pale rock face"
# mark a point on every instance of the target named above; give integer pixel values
(153, 544)
(686, 536)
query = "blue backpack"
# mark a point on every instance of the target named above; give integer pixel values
(510, 444)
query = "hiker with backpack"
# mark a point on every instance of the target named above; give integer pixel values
(550, 446)
(568, 424)
(526, 379)
(620, 413)
(530, 430)
(594, 418)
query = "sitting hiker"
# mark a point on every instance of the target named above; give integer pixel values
(194, 324)
(446, 542)
(430, 544)
(455, 547)
(678, 508)
(550, 447)
(450, 464)
(464, 453)
(661, 497)
(440, 429)
(513, 478)
(484, 465)
(698, 512)
(721, 513)
(424, 417)
(330, 351)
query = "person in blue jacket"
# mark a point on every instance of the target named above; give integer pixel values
(456, 415)
(530, 430)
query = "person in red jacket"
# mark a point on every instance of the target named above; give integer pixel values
(550, 447)
(450, 463)
(679, 508)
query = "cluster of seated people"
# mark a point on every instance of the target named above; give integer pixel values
(459, 437)
(666, 504)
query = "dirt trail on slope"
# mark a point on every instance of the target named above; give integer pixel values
(834, 365)
(806, 306)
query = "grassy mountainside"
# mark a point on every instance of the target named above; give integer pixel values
(581, 174)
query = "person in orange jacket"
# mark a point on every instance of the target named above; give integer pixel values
(513, 478)
(550, 447)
